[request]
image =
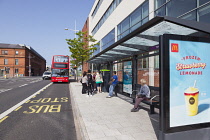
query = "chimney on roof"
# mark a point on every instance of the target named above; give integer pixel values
(22, 45)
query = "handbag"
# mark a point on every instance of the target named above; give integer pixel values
(141, 95)
(110, 82)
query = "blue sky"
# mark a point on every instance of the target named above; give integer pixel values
(41, 23)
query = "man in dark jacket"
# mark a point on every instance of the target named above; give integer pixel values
(90, 83)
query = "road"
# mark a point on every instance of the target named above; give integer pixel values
(35, 109)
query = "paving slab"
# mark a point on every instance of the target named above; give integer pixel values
(101, 118)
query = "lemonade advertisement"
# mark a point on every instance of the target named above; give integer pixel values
(189, 82)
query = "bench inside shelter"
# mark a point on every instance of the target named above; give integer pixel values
(153, 102)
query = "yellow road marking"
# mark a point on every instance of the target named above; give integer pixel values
(17, 108)
(3, 119)
(27, 101)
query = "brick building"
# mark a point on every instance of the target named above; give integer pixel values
(85, 28)
(20, 60)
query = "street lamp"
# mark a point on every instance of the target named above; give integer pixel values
(29, 68)
(75, 30)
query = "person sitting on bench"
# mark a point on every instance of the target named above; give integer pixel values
(143, 94)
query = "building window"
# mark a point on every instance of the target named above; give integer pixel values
(201, 2)
(16, 52)
(4, 52)
(108, 40)
(156, 64)
(108, 12)
(5, 61)
(143, 63)
(7, 71)
(97, 7)
(123, 28)
(16, 70)
(16, 61)
(176, 8)
(98, 49)
(161, 11)
(204, 13)
(190, 16)
(134, 20)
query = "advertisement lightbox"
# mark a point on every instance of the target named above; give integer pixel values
(185, 81)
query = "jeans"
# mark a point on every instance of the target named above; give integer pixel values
(84, 88)
(90, 87)
(111, 89)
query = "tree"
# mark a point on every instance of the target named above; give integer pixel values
(80, 48)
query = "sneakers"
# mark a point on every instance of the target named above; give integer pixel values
(134, 109)
(91, 95)
(109, 97)
(87, 95)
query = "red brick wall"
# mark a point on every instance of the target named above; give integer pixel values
(37, 63)
(142, 74)
(85, 29)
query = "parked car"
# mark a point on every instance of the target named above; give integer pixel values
(46, 75)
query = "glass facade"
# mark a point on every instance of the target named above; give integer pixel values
(108, 12)
(98, 49)
(134, 20)
(97, 7)
(176, 8)
(108, 40)
(204, 13)
(197, 10)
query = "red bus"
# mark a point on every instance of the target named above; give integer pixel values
(60, 68)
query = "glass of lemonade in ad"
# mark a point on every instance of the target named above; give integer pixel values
(191, 100)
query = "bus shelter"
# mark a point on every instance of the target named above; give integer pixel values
(150, 42)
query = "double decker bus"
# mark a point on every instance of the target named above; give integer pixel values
(60, 68)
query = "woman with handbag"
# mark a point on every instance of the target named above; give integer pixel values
(143, 94)
(99, 81)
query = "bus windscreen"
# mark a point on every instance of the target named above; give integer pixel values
(60, 72)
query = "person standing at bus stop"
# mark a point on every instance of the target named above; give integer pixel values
(99, 81)
(114, 81)
(90, 83)
(84, 82)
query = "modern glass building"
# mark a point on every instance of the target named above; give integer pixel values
(128, 32)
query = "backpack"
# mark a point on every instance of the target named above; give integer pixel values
(89, 78)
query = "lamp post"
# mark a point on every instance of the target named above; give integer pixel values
(75, 30)
(29, 65)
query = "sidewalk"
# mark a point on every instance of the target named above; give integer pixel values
(101, 118)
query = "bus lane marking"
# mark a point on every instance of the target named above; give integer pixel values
(1, 120)
(18, 108)
(20, 103)
(49, 100)
(45, 108)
